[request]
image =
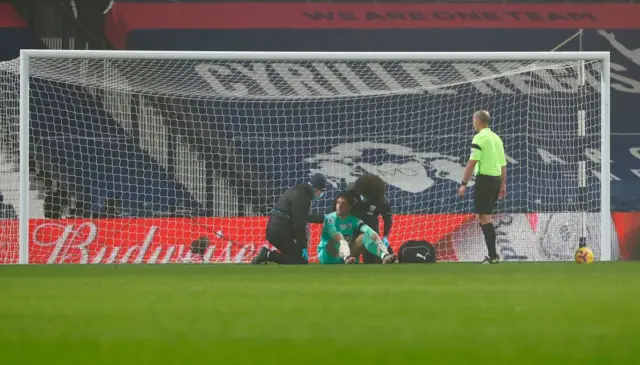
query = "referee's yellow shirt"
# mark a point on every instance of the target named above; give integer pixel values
(488, 150)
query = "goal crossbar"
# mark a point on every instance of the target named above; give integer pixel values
(318, 56)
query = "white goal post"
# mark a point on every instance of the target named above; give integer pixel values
(576, 119)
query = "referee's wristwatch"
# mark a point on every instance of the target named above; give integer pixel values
(464, 183)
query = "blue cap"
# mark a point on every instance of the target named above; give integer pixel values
(318, 181)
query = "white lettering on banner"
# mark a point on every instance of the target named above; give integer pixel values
(76, 243)
(564, 83)
(332, 78)
(260, 75)
(208, 254)
(504, 240)
(626, 84)
(240, 255)
(327, 79)
(632, 55)
(636, 172)
(68, 233)
(345, 79)
(486, 85)
(523, 82)
(355, 80)
(210, 73)
(390, 82)
(301, 80)
(635, 152)
(142, 250)
(425, 80)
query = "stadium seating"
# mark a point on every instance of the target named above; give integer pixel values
(88, 150)
(79, 143)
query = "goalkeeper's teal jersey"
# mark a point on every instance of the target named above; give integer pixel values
(348, 227)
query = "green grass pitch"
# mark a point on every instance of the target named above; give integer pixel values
(536, 313)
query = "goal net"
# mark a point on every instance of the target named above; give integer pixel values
(180, 157)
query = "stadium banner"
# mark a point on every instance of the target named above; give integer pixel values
(628, 230)
(190, 15)
(521, 237)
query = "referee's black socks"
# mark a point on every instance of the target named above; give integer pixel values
(489, 232)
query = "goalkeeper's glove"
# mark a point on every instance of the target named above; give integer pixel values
(385, 240)
(305, 254)
(343, 249)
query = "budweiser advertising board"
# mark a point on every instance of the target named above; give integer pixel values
(521, 237)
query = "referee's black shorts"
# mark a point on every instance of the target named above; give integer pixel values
(487, 189)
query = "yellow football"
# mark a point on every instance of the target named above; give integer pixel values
(584, 255)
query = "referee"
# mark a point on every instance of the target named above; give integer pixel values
(287, 226)
(490, 167)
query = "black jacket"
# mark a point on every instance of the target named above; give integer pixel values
(292, 212)
(368, 212)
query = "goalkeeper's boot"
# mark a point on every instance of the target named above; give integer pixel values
(349, 260)
(390, 259)
(262, 257)
(489, 260)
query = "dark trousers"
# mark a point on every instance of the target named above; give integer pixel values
(280, 235)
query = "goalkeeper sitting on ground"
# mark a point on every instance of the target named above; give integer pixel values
(338, 230)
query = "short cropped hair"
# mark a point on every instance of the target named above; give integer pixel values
(371, 186)
(483, 116)
(347, 196)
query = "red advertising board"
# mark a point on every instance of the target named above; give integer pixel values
(370, 16)
(521, 237)
(168, 240)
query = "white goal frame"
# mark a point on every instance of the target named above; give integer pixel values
(602, 57)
